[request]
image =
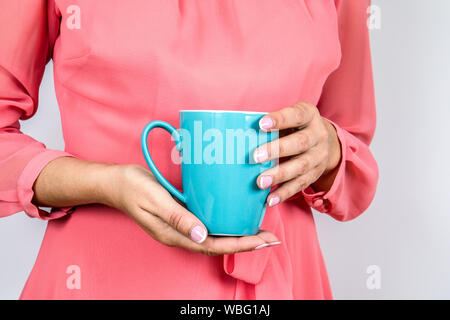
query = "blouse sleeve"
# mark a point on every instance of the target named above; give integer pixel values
(348, 103)
(28, 29)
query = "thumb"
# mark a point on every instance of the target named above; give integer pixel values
(183, 221)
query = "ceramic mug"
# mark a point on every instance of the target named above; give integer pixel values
(217, 167)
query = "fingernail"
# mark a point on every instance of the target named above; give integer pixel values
(261, 246)
(198, 234)
(260, 155)
(266, 123)
(265, 182)
(274, 243)
(274, 201)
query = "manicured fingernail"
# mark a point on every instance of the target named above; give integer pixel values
(261, 246)
(265, 182)
(198, 234)
(274, 243)
(266, 123)
(260, 155)
(274, 201)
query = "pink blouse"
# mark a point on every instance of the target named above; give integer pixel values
(120, 64)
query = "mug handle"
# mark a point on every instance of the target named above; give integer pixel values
(177, 138)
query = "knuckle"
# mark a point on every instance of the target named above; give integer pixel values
(289, 192)
(295, 187)
(310, 107)
(164, 238)
(318, 172)
(300, 184)
(303, 165)
(313, 108)
(324, 154)
(209, 251)
(234, 250)
(305, 184)
(282, 119)
(283, 148)
(281, 175)
(175, 218)
(274, 149)
(299, 105)
(169, 242)
(299, 112)
(323, 134)
(303, 141)
(321, 169)
(283, 194)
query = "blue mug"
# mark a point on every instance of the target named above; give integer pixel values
(218, 171)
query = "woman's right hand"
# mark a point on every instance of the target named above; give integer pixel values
(135, 191)
(68, 181)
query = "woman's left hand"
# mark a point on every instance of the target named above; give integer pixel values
(311, 143)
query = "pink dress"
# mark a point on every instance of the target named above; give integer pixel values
(120, 64)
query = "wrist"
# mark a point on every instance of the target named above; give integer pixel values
(105, 181)
(68, 181)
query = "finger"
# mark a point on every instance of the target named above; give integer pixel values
(229, 245)
(182, 220)
(292, 187)
(290, 145)
(292, 168)
(164, 233)
(220, 245)
(157, 228)
(294, 116)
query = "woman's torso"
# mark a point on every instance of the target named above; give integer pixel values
(122, 64)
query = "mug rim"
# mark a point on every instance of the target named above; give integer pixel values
(223, 111)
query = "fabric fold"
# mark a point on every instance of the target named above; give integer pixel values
(261, 268)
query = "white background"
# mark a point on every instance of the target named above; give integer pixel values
(406, 230)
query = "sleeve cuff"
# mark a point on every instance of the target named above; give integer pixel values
(323, 201)
(26, 181)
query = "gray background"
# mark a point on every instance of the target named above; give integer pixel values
(405, 231)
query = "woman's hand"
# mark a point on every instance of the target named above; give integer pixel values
(313, 148)
(68, 181)
(135, 191)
